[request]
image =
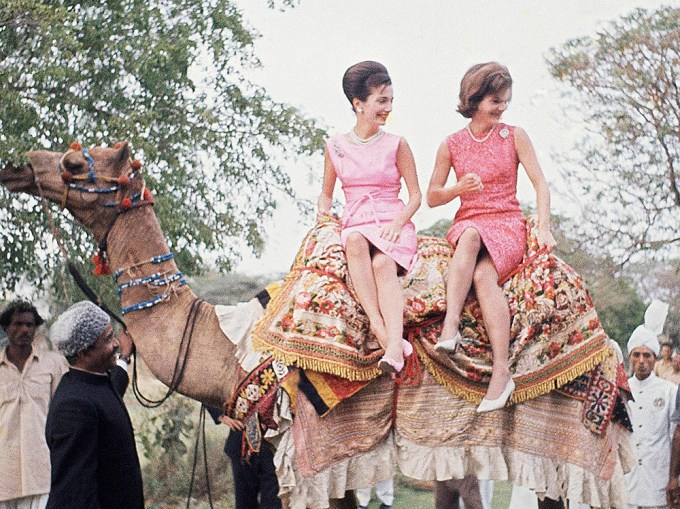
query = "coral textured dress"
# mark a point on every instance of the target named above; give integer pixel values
(494, 212)
(371, 182)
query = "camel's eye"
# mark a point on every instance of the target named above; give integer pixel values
(74, 165)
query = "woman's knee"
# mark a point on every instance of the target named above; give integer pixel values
(383, 265)
(484, 276)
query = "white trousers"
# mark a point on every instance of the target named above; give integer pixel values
(486, 492)
(32, 502)
(523, 498)
(384, 490)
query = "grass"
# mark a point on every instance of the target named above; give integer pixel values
(407, 496)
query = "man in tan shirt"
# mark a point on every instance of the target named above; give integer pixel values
(663, 366)
(28, 379)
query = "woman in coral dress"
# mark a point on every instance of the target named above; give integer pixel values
(488, 230)
(377, 234)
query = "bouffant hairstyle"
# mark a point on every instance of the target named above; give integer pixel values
(16, 307)
(362, 78)
(479, 81)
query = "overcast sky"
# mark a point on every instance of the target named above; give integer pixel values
(426, 45)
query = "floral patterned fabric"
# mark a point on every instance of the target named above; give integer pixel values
(316, 323)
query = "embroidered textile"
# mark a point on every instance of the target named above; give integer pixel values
(315, 322)
(435, 432)
(603, 390)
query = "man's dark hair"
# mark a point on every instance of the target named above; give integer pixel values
(16, 307)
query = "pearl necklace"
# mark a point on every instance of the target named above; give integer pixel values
(365, 141)
(480, 140)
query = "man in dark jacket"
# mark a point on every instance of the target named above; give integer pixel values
(89, 432)
(255, 482)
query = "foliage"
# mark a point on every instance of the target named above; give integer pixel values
(438, 229)
(165, 432)
(168, 436)
(627, 85)
(171, 77)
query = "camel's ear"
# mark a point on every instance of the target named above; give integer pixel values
(122, 152)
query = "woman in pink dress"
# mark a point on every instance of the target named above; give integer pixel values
(377, 233)
(488, 230)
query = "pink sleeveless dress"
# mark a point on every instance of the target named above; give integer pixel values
(371, 182)
(494, 212)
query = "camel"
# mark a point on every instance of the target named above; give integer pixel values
(428, 432)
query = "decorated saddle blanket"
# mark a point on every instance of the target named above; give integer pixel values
(315, 322)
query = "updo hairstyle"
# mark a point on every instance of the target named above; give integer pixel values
(362, 78)
(480, 80)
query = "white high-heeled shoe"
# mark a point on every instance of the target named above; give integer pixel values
(448, 345)
(489, 405)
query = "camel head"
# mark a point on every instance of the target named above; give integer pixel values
(94, 184)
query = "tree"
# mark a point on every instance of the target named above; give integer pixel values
(627, 79)
(170, 76)
(662, 280)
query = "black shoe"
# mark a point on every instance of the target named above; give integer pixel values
(385, 506)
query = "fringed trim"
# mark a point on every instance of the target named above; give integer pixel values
(353, 374)
(445, 379)
(520, 394)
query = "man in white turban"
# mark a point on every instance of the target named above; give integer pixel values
(88, 431)
(654, 402)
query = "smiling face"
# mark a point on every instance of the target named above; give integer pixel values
(377, 106)
(491, 108)
(101, 356)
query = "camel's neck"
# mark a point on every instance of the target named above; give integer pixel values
(134, 240)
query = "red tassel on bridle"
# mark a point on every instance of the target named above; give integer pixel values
(101, 264)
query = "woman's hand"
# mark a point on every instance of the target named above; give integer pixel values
(469, 183)
(545, 238)
(391, 232)
(322, 215)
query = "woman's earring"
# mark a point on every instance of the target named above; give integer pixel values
(360, 110)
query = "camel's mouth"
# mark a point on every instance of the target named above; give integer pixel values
(17, 179)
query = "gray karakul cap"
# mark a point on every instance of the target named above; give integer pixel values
(78, 327)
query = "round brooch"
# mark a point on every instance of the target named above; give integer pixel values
(504, 133)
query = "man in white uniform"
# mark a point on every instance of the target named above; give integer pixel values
(650, 414)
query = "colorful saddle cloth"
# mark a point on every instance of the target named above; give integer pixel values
(315, 322)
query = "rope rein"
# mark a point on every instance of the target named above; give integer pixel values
(180, 360)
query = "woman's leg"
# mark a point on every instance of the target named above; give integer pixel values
(360, 268)
(459, 279)
(496, 314)
(390, 302)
